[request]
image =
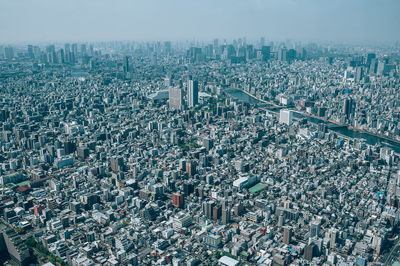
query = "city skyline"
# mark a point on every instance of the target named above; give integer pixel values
(357, 22)
(193, 133)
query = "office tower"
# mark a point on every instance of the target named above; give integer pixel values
(74, 48)
(282, 54)
(380, 67)
(359, 74)
(217, 212)
(175, 98)
(117, 163)
(332, 242)
(30, 51)
(238, 209)
(167, 46)
(69, 147)
(321, 111)
(60, 56)
(195, 54)
(208, 143)
(286, 117)
(83, 153)
(190, 168)
(83, 49)
(369, 59)
(291, 55)
(193, 93)
(126, 64)
(266, 51)
(348, 106)
(226, 215)
(315, 228)
(301, 53)
(309, 251)
(373, 66)
(287, 235)
(9, 52)
(208, 208)
(216, 41)
(188, 188)
(281, 219)
(178, 200)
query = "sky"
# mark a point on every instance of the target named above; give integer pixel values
(340, 21)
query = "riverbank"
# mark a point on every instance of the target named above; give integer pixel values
(344, 130)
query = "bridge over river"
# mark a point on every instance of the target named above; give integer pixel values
(345, 130)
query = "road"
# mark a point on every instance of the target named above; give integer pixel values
(393, 255)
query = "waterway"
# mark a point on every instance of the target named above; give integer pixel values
(345, 131)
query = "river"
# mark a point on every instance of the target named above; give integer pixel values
(369, 139)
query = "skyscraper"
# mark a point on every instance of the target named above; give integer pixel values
(9, 52)
(287, 235)
(226, 215)
(266, 50)
(178, 200)
(126, 64)
(217, 212)
(348, 106)
(175, 98)
(286, 117)
(315, 228)
(332, 242)
(208, 208)
(30, 51)
(190, 168)
(193, 93)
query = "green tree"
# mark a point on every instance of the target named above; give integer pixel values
(31, 242)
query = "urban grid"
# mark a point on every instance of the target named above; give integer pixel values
(185, 153)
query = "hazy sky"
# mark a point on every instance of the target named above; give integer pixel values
(359, 21)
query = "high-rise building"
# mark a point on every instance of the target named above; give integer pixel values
(30, 51)
(208, 208)
(9, 52)
(281, 219)
(348, 106)
(380, 67)
(188, 188)
(315, 228)
(369, 58)
(266, 51)
(373, 66)
(83, 49)
(175, 98)
(190, 168)
(117, 163)
(178, 200)
(193, 92)
(217, 212)
(126, 64)
(286, 117)
(359, 74)
(309, 251)
(287, 235)
(226, 215)
(332, 242)
(216, 42)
